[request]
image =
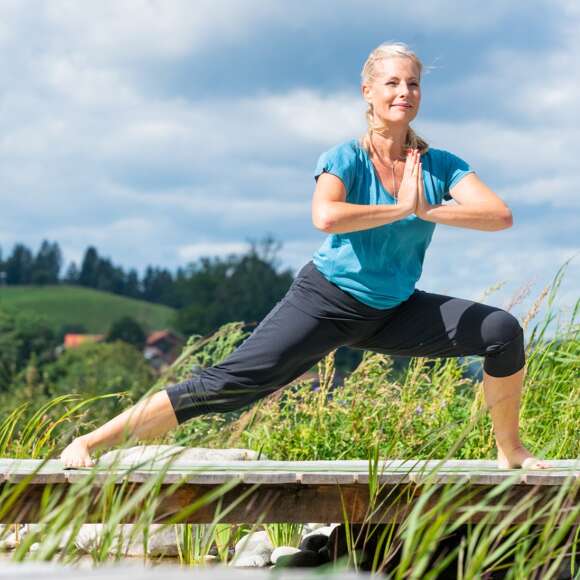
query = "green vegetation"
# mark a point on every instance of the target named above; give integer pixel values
(95, 310)
(427, 410)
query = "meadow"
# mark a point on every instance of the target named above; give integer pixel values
(95, 310)
(431, 409)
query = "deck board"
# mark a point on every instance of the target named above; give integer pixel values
(289, 491)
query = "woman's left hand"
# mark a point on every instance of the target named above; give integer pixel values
(423, 206)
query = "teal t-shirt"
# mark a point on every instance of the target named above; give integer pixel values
(380, 266)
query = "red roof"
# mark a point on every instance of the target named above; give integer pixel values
(72, 340)
(161, 334)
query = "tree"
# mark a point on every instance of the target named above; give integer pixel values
(128, 330)
(19, 265)
(94, 369)
(22, 334)
(89, 268)
(47, 264)
(218, 291)
(72, 274)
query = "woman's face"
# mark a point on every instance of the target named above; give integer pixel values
(395, 94)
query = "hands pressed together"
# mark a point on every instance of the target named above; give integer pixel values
(411, 193)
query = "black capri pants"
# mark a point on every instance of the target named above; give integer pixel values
(316, 316)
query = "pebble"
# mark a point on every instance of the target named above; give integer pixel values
(282, 551)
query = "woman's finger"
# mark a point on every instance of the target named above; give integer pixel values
(409, 162)
(415, 162)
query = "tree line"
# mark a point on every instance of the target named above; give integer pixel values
(207, 293)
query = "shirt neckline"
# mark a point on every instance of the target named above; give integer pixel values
(373, 169)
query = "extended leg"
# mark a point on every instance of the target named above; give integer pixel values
(285, 344)
(148, 419)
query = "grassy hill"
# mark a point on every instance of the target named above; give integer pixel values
(95, 309)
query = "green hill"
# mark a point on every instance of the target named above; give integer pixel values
(94, 309)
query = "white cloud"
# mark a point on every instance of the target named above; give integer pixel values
(90, 157)
(191, 252)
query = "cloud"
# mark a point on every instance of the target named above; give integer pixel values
(159, 130)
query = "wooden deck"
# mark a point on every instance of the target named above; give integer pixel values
(288, 491)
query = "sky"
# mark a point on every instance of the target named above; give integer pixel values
(161, 131)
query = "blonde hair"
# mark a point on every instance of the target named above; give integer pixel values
(369, 74)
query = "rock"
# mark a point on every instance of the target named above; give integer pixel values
(282, 551)
(176, 454)
(251, 561)
(326, 530)
(253, 550)
(309, 528)
(314, 542)
(160, 542)
(364, 539)
(301, 559)
(11, 540)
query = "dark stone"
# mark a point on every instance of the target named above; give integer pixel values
(314, 542)
(302, 559)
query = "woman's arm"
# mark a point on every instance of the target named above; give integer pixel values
(479, 208)
(332, 214)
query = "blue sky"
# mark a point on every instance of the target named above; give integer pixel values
(162, 131)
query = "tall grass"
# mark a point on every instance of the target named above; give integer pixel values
(429, 411)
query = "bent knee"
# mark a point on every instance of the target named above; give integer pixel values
(500, 327)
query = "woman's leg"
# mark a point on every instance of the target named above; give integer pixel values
(287, 343)
(434, 325)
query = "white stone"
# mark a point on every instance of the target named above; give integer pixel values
(13, 539)
(250, 561)
(253, 550)
(282, 551)
(176, 454)
(308, 528)
(326, 530)
(160, 542)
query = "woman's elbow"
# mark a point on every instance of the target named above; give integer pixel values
(506, 218)
(322, 221)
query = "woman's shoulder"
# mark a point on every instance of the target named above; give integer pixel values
(345, 154)
(347, 149)
(442, 156)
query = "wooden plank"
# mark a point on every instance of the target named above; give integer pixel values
(391, 471)
(551, 478)
(337, 478)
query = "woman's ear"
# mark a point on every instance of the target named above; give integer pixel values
(366, 92)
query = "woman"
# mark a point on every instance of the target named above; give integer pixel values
(379, 199)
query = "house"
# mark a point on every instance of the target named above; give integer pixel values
(72, 340)
(162, 348)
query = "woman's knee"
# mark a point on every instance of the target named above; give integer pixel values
(504, 344)
(500, 327)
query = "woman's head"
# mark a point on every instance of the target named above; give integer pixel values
(391, 86)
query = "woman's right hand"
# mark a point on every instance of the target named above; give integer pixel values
(408, 191)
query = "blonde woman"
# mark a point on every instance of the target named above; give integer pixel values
(379, 199)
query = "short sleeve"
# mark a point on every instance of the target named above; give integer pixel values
(455, 169)
(340, 161)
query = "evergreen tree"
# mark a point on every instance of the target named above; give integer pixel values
(47, 264)
(89, 268)
(19, 265)
(128, 330)
(72, 274)
(132, 285)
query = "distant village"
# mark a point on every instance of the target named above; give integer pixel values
(161, 349)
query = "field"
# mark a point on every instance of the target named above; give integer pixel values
(94, 309)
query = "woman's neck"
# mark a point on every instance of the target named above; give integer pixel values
(389, 142)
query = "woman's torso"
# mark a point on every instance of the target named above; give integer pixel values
(380, 266)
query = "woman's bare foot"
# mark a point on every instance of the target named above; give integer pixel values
(77, 454)
(519, 457)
